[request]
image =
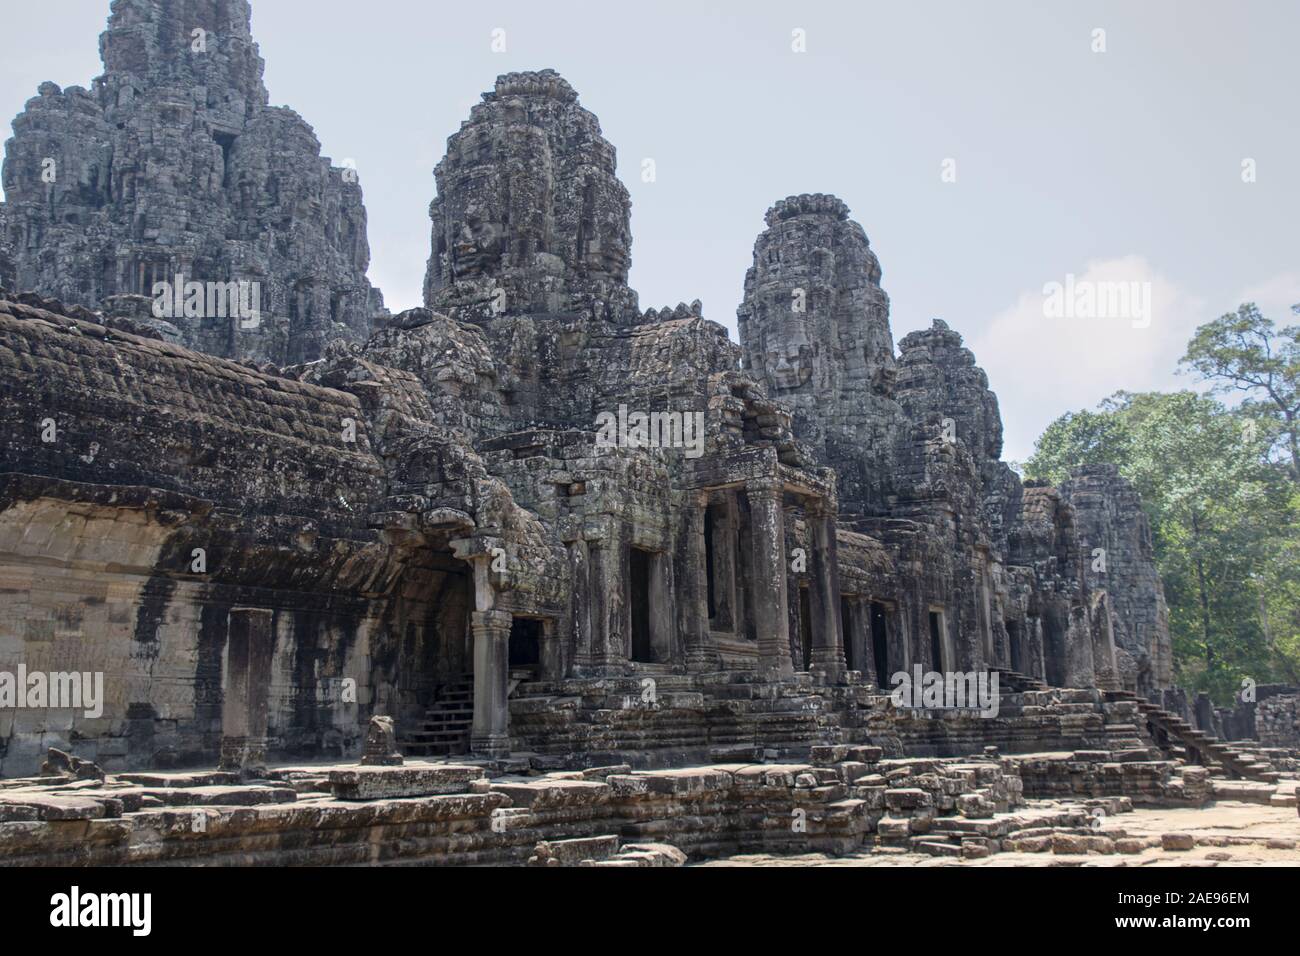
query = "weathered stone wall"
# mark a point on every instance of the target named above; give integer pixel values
(1098, 774)
(174, 164)
(1277, 721)
(1120, 559)
(8, 274)
(112, 488)
(453, 815)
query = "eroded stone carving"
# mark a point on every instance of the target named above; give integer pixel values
(174, 165)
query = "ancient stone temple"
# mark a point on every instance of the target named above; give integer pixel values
(172, 169)
(536, 568)
(529, 521)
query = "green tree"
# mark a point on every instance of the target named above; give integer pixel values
(1222, 517)
(1245, 352)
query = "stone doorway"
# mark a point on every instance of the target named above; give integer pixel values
(1015, 648)
(639, 599)
(846, 629)
(525, 651)
(936, 641)
(880, 644)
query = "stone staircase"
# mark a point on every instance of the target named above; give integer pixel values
(1015, 681)
(444, 732)
(1173, 734)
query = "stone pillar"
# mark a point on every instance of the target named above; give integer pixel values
(728, 596)
(663, 608)
(607, 585)
(693, 609)
(863, 641)
(580, 571)
(824, 594)
(551, 663)
(246, 690)
(768, 585)
(490, 732)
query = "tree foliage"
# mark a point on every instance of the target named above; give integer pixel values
(1245, 352)
(1223, 513)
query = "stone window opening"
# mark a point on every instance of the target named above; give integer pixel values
(149, 272)
(227, 143)
(938, 659)
(525, 645)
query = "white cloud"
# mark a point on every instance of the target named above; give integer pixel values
(1041, 367)
(1275, 296)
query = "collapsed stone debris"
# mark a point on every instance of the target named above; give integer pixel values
(345, 534)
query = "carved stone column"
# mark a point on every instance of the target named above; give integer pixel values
(768, 584)
(490, 731)
(863, 641)
(824, 594)
(694, 606)
(580, 571)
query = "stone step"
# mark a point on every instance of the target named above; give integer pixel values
(437, 736)
(935, 848)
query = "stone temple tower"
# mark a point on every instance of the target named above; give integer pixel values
(530, 217)
(814, 326)
(174, 164)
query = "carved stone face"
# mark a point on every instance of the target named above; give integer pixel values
(606, 250)
(478, 244)
(789, 360)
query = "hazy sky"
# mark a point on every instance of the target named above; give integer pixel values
(1124, 165)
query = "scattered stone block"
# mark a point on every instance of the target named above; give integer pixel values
(382, 783)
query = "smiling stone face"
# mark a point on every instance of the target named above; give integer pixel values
(478, 246)
(789, 361)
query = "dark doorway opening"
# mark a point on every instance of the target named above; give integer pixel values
(936, 641)
(846, 632)
(1013, 638)
(805, 627)
(1054, 648)
(639, 585)
(709, 561)
(525, 643)
(227, 143)
(880, 644)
